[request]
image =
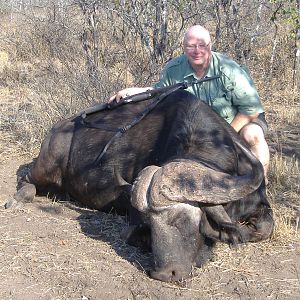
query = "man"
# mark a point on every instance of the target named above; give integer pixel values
(233, 96)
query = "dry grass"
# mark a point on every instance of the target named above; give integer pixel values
(80, 252)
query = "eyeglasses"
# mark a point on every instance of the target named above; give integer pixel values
(196, 46)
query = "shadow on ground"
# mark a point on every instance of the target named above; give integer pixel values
(98, 225)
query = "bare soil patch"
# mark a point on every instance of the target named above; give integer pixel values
(60, 250)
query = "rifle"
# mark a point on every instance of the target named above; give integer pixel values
(143, 96)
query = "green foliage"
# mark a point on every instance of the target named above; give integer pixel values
(290, 11)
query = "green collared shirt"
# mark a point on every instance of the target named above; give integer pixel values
(233, 92)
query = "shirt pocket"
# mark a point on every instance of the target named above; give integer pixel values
(223, 106)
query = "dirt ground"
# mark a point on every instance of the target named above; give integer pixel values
(59, 250)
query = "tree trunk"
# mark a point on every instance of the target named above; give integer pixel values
(296, 66)
(160, 32)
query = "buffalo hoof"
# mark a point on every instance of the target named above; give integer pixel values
(234, 245)
(12, 204)
(26, 193)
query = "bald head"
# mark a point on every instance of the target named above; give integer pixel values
(197, 32)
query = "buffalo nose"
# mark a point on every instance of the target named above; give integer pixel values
(170, 275)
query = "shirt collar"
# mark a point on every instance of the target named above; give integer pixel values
(190, 72)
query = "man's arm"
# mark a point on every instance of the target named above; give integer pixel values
(240, 120)
(244, 97)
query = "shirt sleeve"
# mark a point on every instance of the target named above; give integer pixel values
(173, 72)
(244, 95)
(164, 79)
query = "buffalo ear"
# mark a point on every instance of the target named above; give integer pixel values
(141, 187)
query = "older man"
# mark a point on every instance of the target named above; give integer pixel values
(233, 96)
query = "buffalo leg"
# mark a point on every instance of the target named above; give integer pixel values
(217, 224)
(138, 233)
(25, 194)
(138, 236)
(205, 252)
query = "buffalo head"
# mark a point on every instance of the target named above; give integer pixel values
(174, 198)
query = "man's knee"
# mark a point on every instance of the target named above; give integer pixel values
(252, 134)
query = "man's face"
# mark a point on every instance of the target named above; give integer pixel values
(198, 50)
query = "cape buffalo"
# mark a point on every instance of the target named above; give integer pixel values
(193, 180)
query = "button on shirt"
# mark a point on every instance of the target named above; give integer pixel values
(233, 92)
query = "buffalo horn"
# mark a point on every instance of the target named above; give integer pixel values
(140, 188)
(187, 180)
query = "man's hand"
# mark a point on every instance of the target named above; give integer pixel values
(128, 92)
